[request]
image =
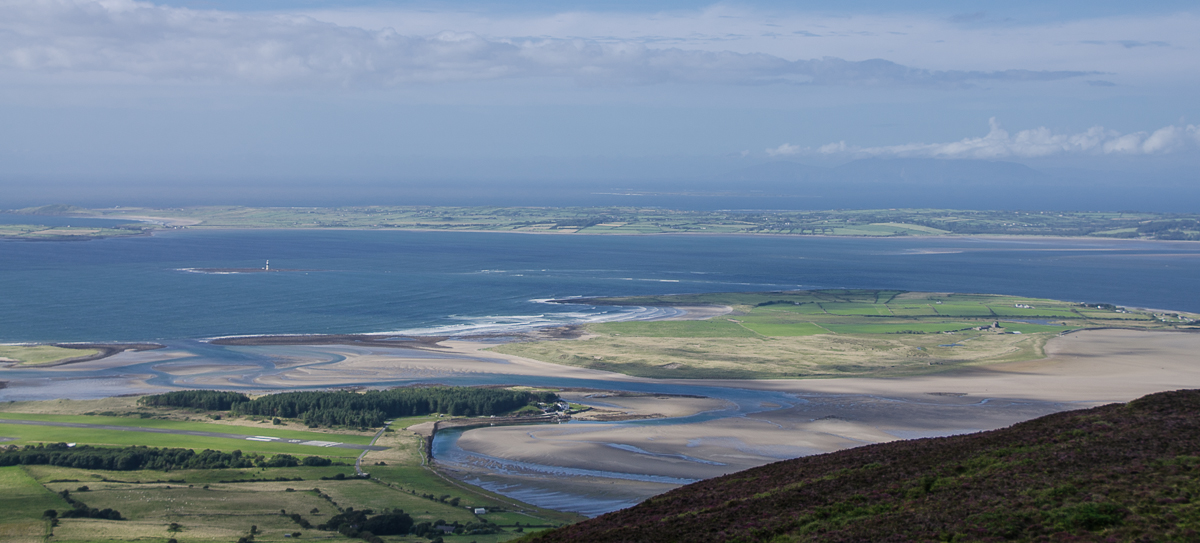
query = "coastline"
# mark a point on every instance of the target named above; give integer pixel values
(781, 418)
(417, 341)
(609, 220)
(367, 340)
(434, 342)
(1012, 237)
(734, 424)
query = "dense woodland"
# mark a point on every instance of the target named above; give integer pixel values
(138, 458)
(210, 400)
(364, 525)
(369, 409)
(1120, 472)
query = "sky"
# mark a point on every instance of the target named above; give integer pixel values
(178, 94)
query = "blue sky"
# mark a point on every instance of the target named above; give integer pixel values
(222, 89)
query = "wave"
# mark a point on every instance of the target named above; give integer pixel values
(515, 324)
(206, 272)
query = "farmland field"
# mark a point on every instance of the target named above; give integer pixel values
(223, 504)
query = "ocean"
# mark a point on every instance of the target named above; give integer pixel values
(154, 288)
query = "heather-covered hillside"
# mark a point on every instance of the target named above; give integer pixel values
(1120, 472)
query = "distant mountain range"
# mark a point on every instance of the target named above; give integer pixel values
(1120, 472)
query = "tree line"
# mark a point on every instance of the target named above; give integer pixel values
(141, 457)
(210, 400)
(369, 409)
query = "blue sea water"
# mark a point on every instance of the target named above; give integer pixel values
(147, 288)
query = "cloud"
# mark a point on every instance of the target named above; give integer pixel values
(1033, 143)
(785, 149)
(157, 43)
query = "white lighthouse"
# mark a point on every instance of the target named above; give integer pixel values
(268, 266)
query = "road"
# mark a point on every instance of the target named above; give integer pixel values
(358, 461)
(261, 439)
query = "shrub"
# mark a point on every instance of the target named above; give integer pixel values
(1089, 516)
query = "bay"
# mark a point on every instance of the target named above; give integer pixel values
(177, 288)
(365, 281)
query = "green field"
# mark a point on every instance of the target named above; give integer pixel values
(899, 328)
(833, 333)
(33, 355)
(52, 434)
(264, 429)
(210, 510)
(22, 501)
(24, 434)
(774, 327)
(222, 504)
(709, 328)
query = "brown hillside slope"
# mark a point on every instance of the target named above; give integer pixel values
(1120, 472)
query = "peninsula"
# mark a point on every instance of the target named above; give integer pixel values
(834, 333)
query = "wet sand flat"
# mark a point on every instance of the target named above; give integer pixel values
(1083, 369)
(1090, 367)
(642, 405)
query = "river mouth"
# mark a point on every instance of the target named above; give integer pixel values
(679, 430)
(595, 467)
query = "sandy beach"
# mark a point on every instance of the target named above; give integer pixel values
(1083, 369)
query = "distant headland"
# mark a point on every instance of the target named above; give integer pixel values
(623, 221)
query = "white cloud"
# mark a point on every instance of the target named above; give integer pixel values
(785, 149)
(832, 148)
(144, 41)
(1167, 139)
(1033, 143)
